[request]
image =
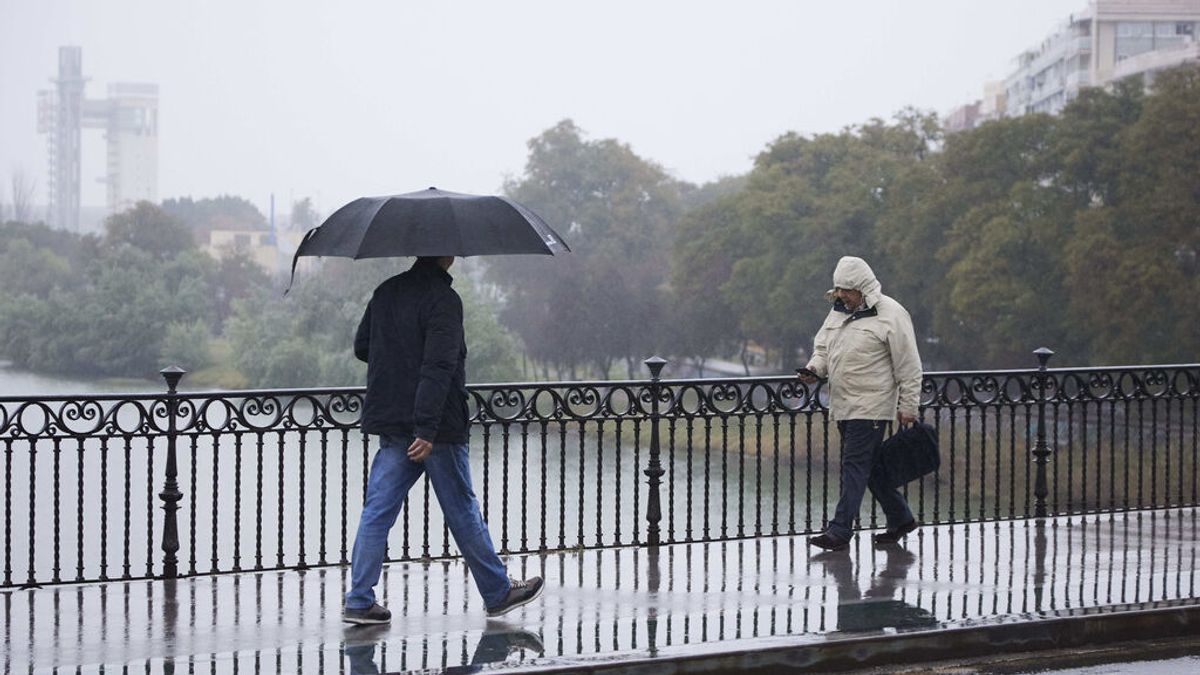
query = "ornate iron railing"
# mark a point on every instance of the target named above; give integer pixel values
(139, 486)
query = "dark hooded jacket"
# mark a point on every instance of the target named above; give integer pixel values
(411, 337)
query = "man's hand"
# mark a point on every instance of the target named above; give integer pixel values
(807, 376)
(905, 419)
(419, 450)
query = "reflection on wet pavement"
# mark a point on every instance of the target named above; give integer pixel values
(614, 603)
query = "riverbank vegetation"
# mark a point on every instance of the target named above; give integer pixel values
(1078, 231)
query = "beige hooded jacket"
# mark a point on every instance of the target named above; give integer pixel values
(870, 357)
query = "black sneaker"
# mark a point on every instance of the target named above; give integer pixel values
(376, 613)
(894, 536)
(828, 541)
(519, 593)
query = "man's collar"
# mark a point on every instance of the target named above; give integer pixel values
(432, 268)
(840, 306)
(860, 312)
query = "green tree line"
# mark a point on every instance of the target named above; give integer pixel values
(143, 296)
(1079, 231)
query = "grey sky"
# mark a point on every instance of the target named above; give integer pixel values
(341, 99)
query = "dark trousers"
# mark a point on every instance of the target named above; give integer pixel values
(861, 440)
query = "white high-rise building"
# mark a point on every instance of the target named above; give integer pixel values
(131, 133)
(1108, 41)
(129, 118)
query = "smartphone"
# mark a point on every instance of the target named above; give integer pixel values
(806, 371)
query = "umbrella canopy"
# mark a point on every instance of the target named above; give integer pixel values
(431, 222)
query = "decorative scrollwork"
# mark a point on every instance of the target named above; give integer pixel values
(310, 409)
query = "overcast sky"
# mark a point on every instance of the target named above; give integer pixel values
(336, 100)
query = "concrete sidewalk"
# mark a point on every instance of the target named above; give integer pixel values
(628, 607)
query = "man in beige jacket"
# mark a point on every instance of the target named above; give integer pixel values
(867, 350)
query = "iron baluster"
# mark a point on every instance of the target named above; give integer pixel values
(562, 485)
(8, 578)
(237, 502)
(322, 551)
(670, 479)
(344, 498)
(279, 497)
(689, 423)
(258, 503)
(128, 503)
(504, 437)
(654, 470)
(524, 484)
(150, 507)
(599, 482)
(707, 475)
(620, 473)
(103, 509)
(582, 464)
(32, 581)
(543, 493)
(216, 494)
(808, 472)
(302, 459)
(170, 494)
(968, 477)
(192, 510)
(57, 454)
(953, 460)
(79, 477)
(1041, 452)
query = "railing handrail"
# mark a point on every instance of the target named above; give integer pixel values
(476, 386)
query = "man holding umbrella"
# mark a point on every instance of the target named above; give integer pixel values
(411, 337)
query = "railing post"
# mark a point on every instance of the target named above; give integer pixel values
(171, 494)
(654, 471)
(1041, 451)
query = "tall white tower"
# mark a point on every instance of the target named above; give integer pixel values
(129, 119)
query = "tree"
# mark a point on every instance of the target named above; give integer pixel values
(703, 323)
(603, 303)
(304, 217)
(808, 202)
(23, 190)
(148, 228)
(1131, 266)
(225, 212)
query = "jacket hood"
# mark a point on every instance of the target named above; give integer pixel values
(855, 274)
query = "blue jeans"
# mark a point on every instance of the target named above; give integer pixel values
(392, 475)
(861, 440)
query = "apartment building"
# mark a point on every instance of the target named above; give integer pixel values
(1108, 41)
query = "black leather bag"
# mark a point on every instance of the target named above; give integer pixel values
(910, 453)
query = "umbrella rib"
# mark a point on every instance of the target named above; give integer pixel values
(358, 249)
(458, 230)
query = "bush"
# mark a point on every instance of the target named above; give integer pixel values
(186, 344)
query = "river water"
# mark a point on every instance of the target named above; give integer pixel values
(14, 382)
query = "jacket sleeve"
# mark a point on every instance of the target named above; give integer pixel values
(443, 340)
(819, 363)
(362, 337)
(906, 362)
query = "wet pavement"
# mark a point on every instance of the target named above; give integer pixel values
(615, 605)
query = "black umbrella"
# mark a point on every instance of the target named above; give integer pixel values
(430, 222)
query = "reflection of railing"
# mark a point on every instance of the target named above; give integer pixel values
(668, 602)
(273, 479)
